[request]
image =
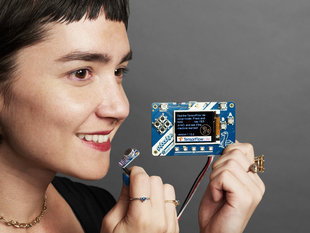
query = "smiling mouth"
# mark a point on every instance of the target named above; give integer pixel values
(97, 138)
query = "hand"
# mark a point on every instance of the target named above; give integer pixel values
(232, 194)
(150, 216)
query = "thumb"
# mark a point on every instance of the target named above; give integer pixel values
(119, 211)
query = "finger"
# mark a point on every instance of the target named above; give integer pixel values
(236, 154)
(235, 201)
(157, 197)
(139, 188)
(246, 148)
(235, 168)
(243, 152)
(171, 213)
(237, 196)
(158, 204)
(119, 211)
(251, 180)
(233, 188)
(123, 200)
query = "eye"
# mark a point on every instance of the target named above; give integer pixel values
(81, 74)
(119, 72)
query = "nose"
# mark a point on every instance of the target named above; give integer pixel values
(114, 102)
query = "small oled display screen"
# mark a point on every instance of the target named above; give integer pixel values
(194, 127)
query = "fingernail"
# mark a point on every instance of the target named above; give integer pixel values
(126, 179)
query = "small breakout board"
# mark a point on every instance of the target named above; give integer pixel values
(129, 156)
(192, 128)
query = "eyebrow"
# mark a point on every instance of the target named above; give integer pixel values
(127, 57)
(91, 57)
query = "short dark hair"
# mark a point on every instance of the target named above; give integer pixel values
(23, 23)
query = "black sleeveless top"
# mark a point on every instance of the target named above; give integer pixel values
(89, 203)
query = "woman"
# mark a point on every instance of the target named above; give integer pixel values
(62, 101)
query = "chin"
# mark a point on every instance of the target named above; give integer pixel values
(88, 171)
(89, 175)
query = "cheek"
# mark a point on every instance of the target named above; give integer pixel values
(43, 116)
(43, 129)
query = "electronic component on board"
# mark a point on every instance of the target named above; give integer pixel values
(192, 128)
(129, 156)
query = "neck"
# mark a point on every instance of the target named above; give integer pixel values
(22, 188)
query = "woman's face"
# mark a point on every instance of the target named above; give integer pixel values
(67, 99)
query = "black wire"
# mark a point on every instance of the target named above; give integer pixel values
(194, 184)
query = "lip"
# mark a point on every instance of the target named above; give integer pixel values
(98, 132)
(103, 146)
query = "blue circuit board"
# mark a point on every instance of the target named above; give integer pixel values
(192, 128)
(128, 157)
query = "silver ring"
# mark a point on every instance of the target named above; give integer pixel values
(142, 199)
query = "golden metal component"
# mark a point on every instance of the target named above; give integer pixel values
(217, 127)
(26, 225)
(260, 162)
(175, 202)
(253, 168)
(258, 165)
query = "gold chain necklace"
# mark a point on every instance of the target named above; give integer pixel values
(30, 224)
